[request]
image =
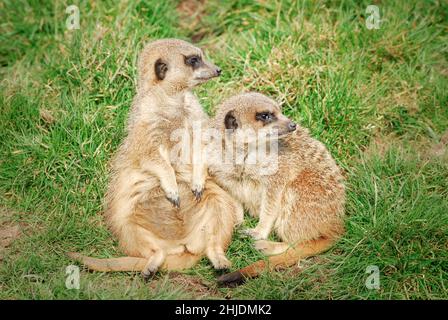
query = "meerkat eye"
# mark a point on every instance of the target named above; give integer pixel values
(265, 116)
(193, 61)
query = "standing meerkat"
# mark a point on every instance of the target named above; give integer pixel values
(303, 200)
(167, 71)
(154, 233)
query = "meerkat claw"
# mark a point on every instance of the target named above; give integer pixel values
(175, 201)
(147, 275)
(198, 194)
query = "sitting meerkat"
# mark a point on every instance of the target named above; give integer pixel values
(302, 200)
(150, 230)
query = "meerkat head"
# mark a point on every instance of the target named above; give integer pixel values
(173, 65)
(256, 113)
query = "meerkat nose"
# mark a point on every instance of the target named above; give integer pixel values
(218, 71)
(292, 126)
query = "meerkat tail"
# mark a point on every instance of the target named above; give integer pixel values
(172, 262)
(283, 260)
(110, 265)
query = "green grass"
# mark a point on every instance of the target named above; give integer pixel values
(377, 98)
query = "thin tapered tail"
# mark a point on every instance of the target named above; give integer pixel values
(109, 265)
(172, 262)
(283, 260)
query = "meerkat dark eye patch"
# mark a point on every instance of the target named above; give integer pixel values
(230, 122)
(193, 61)
(265, 117)
(160, 69)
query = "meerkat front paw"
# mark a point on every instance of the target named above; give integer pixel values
(256, 233)
(173, 197)
(198, 191)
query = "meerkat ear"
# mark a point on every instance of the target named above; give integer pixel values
(160, 68)
(230, 121)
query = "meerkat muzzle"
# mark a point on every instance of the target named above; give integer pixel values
(292, 126)
(208, 72)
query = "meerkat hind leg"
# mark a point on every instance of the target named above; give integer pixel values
(271, 248)
(153, 264)
(218, 258)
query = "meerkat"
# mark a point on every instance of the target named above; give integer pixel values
(154, 233)
(168, 70)
(302, 200)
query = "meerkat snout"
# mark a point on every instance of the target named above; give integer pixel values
(202, 69)
(292, 126)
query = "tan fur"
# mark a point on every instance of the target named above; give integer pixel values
(143, 176)
(303, 201)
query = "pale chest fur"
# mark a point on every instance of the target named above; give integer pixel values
(245, 188)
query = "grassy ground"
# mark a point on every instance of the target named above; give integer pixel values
(377, 98)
